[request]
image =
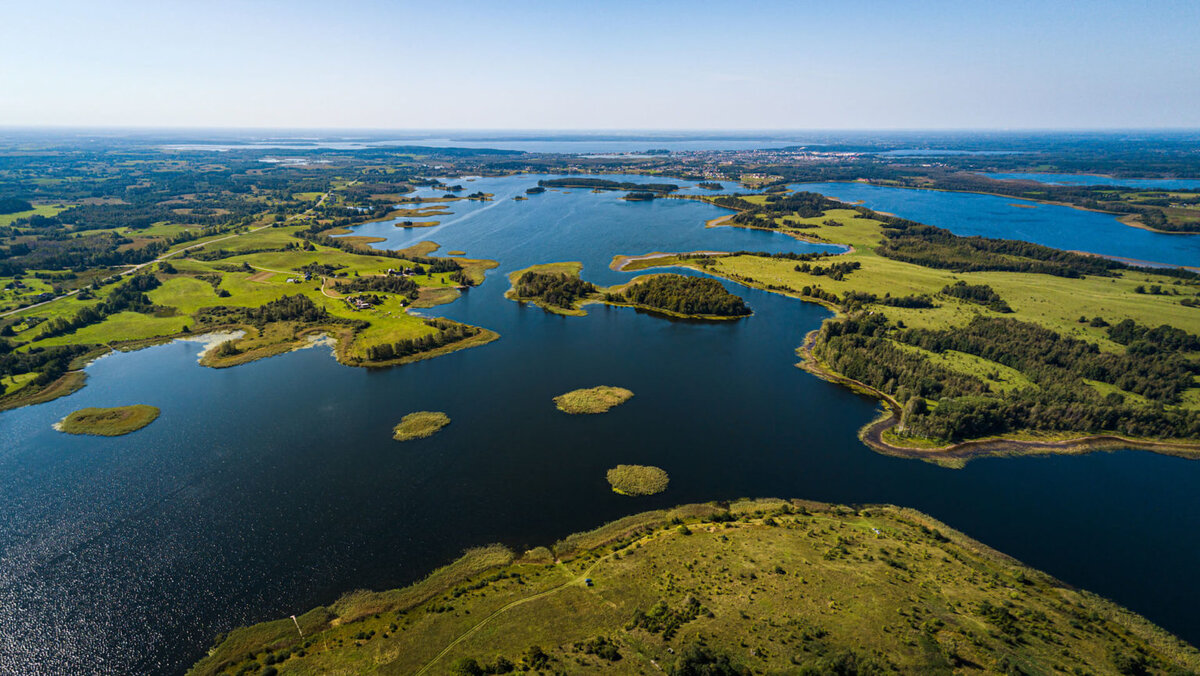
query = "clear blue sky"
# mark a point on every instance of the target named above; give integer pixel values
(602, 65)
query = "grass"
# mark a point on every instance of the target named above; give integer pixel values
(776, 586)
(592, 400)
(38, 209)
(420, 425)
(637, 479)
(108, 422)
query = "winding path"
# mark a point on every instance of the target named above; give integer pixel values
(553, 590)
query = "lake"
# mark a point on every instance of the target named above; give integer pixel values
(1011, 218)
(1092, 179)
(269, 488)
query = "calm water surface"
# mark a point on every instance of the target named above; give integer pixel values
(269, 488)
(1092, 179)
(1010, 218)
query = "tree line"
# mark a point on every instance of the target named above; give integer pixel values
(447, 333)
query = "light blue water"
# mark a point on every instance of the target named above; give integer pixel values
(991, 216)
(1091, 179)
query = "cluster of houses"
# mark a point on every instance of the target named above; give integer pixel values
(297, 280)
(406, 272)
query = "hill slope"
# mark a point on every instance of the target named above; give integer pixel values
(754, 587)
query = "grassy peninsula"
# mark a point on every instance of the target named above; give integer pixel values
(592, 400)
(420, 425)
(637, 479)
(108, 422)
(966, 338)
(766, 586)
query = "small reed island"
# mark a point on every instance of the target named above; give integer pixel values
(592, 400)
(420, 425)
(108, 422)
(635, 480)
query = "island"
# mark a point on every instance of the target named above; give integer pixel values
(592, 400)
(635, 480)
(752, 586)
(557, 288)
(420, 425)
(108, 422)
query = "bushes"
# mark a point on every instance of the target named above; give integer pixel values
(980, 294)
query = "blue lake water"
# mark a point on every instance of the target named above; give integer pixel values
(1091, 179)
(269, 488)
(1010, 218)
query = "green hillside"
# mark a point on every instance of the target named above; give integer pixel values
(758, 587)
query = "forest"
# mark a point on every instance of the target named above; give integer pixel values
(559, 290)
(683, 295)
(865, 347)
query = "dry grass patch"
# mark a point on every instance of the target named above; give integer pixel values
(638, 479)
(420, 425)
(592, 400)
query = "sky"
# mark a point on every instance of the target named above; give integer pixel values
(842, 64)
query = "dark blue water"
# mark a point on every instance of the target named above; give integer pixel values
(269, 488)
(992, 216)
(1091, 179)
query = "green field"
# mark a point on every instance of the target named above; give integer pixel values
(38, 209)
(769, 586)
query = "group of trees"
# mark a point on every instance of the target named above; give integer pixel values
(557, 289)
(980, 294)
(49, 363)
(384, 284)
(605, 184)
(13, 205)
(295, 308)
(867, 348)
(683, 295)
(447, 333)
(1142, 339)
(836, 271)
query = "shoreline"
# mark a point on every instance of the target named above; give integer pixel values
(957, 454)
(1118, 215)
